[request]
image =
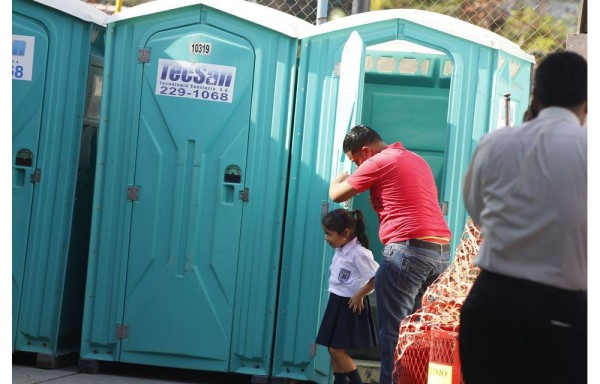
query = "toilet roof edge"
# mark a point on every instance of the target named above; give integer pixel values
(77, 8)
(436, 21)
(259, 14)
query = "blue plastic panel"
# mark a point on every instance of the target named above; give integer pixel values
(190, 167)
(51, 58)
(189, 267)
(30, 45)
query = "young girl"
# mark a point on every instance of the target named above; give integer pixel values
(348, 322)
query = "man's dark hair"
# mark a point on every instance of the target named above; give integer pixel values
(561, 80)
(358, 137)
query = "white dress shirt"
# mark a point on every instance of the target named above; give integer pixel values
(352, 266)
(526, 189)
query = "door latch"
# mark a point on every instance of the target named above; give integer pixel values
(133, 192)
(36, 176)
(245, 194)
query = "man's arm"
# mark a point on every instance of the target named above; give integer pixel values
(340, 190)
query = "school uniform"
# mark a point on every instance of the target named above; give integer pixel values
(352, 266)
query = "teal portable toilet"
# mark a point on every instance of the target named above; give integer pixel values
(190, 184)
(57, 53)
(431, 81)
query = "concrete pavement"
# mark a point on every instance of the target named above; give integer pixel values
(24, 371)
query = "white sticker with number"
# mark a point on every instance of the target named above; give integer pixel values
(22, 57)
(200, 48)
(201, 81)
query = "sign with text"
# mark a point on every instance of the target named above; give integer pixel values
(210, 82)
(22, 57)
(439, 374)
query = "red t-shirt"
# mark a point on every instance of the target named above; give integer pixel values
(403, 193)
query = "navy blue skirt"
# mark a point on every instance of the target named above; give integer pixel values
(343, 329)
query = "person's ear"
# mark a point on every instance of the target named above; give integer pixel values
(346, 233)
(366, 152)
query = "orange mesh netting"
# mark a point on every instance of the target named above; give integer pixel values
(441, 310)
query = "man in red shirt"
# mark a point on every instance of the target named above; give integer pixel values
(411, 226)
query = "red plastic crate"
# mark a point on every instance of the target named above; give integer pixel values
(444, 359)
(432, 359)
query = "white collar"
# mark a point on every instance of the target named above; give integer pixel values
(561, 113)
(349, 245)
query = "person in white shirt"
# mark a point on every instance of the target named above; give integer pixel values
(525, 318)
(348, 322)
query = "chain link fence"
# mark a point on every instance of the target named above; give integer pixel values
(539, 27)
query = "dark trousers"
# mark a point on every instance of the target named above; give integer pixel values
(516, 331)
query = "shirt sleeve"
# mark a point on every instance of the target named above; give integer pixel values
(472, 190)
(365, 175)
(366, 264)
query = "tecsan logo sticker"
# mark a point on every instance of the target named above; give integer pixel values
(22, 57)
(201, 81)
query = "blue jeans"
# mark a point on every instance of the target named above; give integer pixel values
(404, 274)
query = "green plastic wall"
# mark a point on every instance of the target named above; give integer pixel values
(49, 225)
(439, 117)
(410, 108)
(189, 268)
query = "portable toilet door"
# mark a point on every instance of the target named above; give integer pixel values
(56, 50)
(191, 175)
(430, 81)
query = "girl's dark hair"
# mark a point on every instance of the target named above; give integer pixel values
(340, 219)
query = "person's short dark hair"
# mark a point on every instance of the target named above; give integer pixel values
(561, 80)
(358, 137)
